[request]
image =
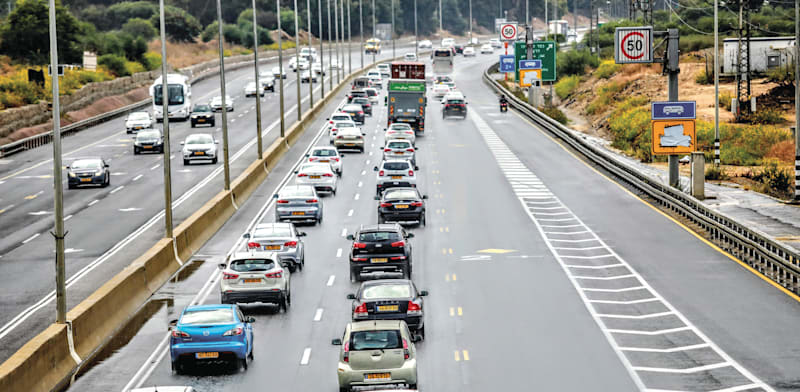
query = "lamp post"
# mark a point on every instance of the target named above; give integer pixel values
(716, 84)
(416, 37)
(258, 83)
(330, 45)
(165, 109)
(310, 58)
(280, 67)
(297, 63)
(361, 29)
(349, 41)
(226, 163)
(393, 54)
(321, 50)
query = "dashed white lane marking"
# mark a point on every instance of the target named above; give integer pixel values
(344, 232)
(363, 172)
(370, 153)
(623, 289)
(172, 156)
(117, 189)
(331, 279)
(318, 314)
(306, 356)
(66, 218)
(357, 196)
(360, 184)
(31, 238)
(155, 167)
(350, 213)
(339, 252)
(93, 202)
(138, 177)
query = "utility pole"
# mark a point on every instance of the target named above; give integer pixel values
(336, 40)
(310, 58)
(716, 84)
(373, 19)
(796, 100)
(258, 84)
(330, 46)
(297, 63)
(527, 15)
(361, 29)
(470, 21)
(280, 67)
(321, 50)
(61, 287)
(673, 69)
(393, 30)
(546, 22)
(416, 37)
(226, 162)
(344, 34)
(440, 16)
(349, 40)
(165, 110)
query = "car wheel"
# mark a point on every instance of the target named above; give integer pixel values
(284, 305)
(135, 151)
(344, 389)
(243, 364)
(107, 180)
(407, 272)
(422, 221)
(354, 276)
(214, 161)
(421, 332)
(412, 386)
(381, 219)
(178, 367)
(193, 124)
(185, 162)
(70, 186)
(213, 123)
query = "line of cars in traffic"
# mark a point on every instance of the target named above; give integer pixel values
(378, 345)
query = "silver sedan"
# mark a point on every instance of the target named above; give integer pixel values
(400, 131)
(281, 238)
(298, 203)
(320, 176)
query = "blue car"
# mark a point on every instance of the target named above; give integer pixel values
(211, 333)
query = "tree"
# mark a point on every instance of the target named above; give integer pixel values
(120, 13)
(139, 27)
(25, 36)
(181, 26)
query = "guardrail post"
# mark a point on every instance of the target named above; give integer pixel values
(698, 175)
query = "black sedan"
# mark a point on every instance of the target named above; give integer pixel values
(355, 111)
(392, 299)
(365, 105)
(202, 114)
(459, 49)
(401, 205)
(88, 171)
(148, 140)
(380, 249)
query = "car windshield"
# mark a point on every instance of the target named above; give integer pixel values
(273, 232)
(139, 116)
(350, 131)
(252, 265)
(361, 101)
(386, 291)
(199, 139)
(202, 108)
(396, 165)
(372, 93)
(324, 153)
(345, 117)
(344, 124)
(455, 101)
(375, 340)
(401, 194)
(398, 145)
(87, 164)
(208, 316)
(378, 236)
(251, 85)
(400, 127)
(148, 135)
(352, 108)
(314, 167)
(296, 192)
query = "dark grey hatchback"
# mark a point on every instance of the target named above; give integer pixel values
(355, 111)
(88, 171)
(390, 299)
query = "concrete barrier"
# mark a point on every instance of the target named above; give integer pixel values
(192, 233)
(40, 365)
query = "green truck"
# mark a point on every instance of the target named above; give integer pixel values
(406, 97)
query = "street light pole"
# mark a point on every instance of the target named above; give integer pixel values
(361, 29)
(165, 109)
(349, 40)
(280, 67)
(297, 63)
(393, 30)
(716, 84)
(259, 90)
(321, 50)
(527, 14)
(61, 287)
(226, 162)
(310, 58)
(440, 16)
(330, 45)
(416, 37)
(373, 19)
(796, 99)
(470, 21)
(336, 41)
(345, 46)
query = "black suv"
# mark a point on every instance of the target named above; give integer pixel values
(455, 106)
(202, 114)
(356, 93)
(365, 104)
(381, 249)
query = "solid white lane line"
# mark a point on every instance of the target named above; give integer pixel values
(665, 350)
(31, 238)
(117, 189)
(331, 279)
(138, 177)
(318, 314)
(93, 202)
(640, 317)
(306, 356)
(339, 252)
(360, 184)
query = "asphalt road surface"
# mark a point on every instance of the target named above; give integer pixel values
(543, 275)
(109, 227)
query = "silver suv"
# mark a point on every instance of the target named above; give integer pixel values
(400, 149)
(395, 173)
(282, 238)
(255, 277)
(376, 353)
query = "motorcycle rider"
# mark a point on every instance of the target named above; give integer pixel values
(503, 102)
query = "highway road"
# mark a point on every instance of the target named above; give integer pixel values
(109, 227)
(543, 275)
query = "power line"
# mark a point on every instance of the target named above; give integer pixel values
(684, 22)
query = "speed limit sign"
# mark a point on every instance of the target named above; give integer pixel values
(508, 32)
(633, 45)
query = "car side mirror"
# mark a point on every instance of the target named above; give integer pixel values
(416, 167)
(416, 338)
(66, 167)
(308, 155)
(301, 234)
(106, 165)
(336, 342)
(246, 235)
(285, 264)
(183, 143)
(384, 129)
(275, 196)
(410, 235)
(221, 266)
(251, 320)
(351, 237)
(351, 296)
(375, 168)
(296, 171)
(216, 141)
(423, 293)
(424, 196)
(173, 323)
(377, 197)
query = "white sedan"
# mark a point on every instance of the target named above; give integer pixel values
(469, 51)
(324, 154)
(320, 176)
(216, 103)
(486, 48)
(276, 72)
(440, 90)
(251, 90)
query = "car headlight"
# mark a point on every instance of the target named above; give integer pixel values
(98, 172)
(71, 174)
(137, 143)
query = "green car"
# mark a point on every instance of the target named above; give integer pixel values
(377, 353)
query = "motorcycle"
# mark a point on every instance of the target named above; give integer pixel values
(503, 107)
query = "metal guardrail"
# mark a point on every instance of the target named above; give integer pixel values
(777, 261)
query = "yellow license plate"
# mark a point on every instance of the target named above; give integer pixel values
(201, 120)
(350, 145)
(397, 177)
(401, 206)
(298, 213)
(210, 355)
(379, 260)
(325, 161)
(272, 247)
(137, 127)
(199, 153)
(314, 177)
(378, 376)
(147, 146)
(85, 179)
(251, 280)
(388, 308)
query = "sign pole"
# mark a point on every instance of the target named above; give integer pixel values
(506, 45)
(672, 82)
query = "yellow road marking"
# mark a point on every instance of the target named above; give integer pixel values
(690, 231)
(466, 355)
(460, 312)
(496, 251)
(450, 250)
(31, 197)
(454, 277)
(2, 211)
(457, 355)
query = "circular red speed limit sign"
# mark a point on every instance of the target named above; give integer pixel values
(508, 32)
(635, 42)
(633, 45)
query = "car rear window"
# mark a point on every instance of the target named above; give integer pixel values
(344, 124)
(386, 291)
(400, 127)
(296, 192)
(404, 194)
(208, 316)
(372, 93)
(379, 236)
(455, 101)
(199, 139)
(375, 340)
(324, 153)
(396, 165)
(399, 145)
(87, 164)
(361, 101)
(148, 134)
(252, 265)
(138, 116)
(272, 232)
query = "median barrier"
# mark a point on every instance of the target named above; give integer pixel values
(244, 185)
(192, 233)
(40, 365)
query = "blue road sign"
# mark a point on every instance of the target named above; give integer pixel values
(679, 110)
(507, 63)
(530, 64)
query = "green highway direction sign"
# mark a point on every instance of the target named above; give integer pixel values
(542, 50)
(407, 86)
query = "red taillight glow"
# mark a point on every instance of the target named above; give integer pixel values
(327, 175)
(406, 353)
(410, 149)
(253, 245)
(398, 258)
(335, 159)
(312, 159)
(283, 201)
(386, 204)
(411, 173)
(381, 173)
(234, 332)
(291, 244)
(416, 204)
(359, 245)
(179, 334)
(360, 310)
(398, 244)
(414, 307)
(387, 149)
(346, 356)
(302, 175)
(334, 129)
(229, 276)
(312, 201)
(275, 275)
(409, 133)
(360, 112)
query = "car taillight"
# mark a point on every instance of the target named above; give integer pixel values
(386, 204)
(327, 175)
(411, 173)
(410, 149)
(409, 133)
(381, 173)
(361, 310)
(234, 332)
(398, 244)
(312, 201)
(302, 175)
(360, 112)
(387, 149)
(339, 137)
(414, 307)
(406, 353)
(253, 245)
(335, 159)
(359, 245)
(180, 334)
(291, 244)
(398, 258)
(283, 201)
(275, 275)
(229, 276)
(334, 129)
(416, 204)
(312, 159)
(346, 356)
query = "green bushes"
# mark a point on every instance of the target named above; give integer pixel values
(574, 62)
(629, 124)
(704, 78)
(716, 174)
(744, 145)
(776, 180)
(695, 42)
(15, 90)
(566, 86)
(115, 64)
(139, 27)
(152, 61)
(606, 94)
(725, 101)
(766, 115)
(555, 113)
(607, 69)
